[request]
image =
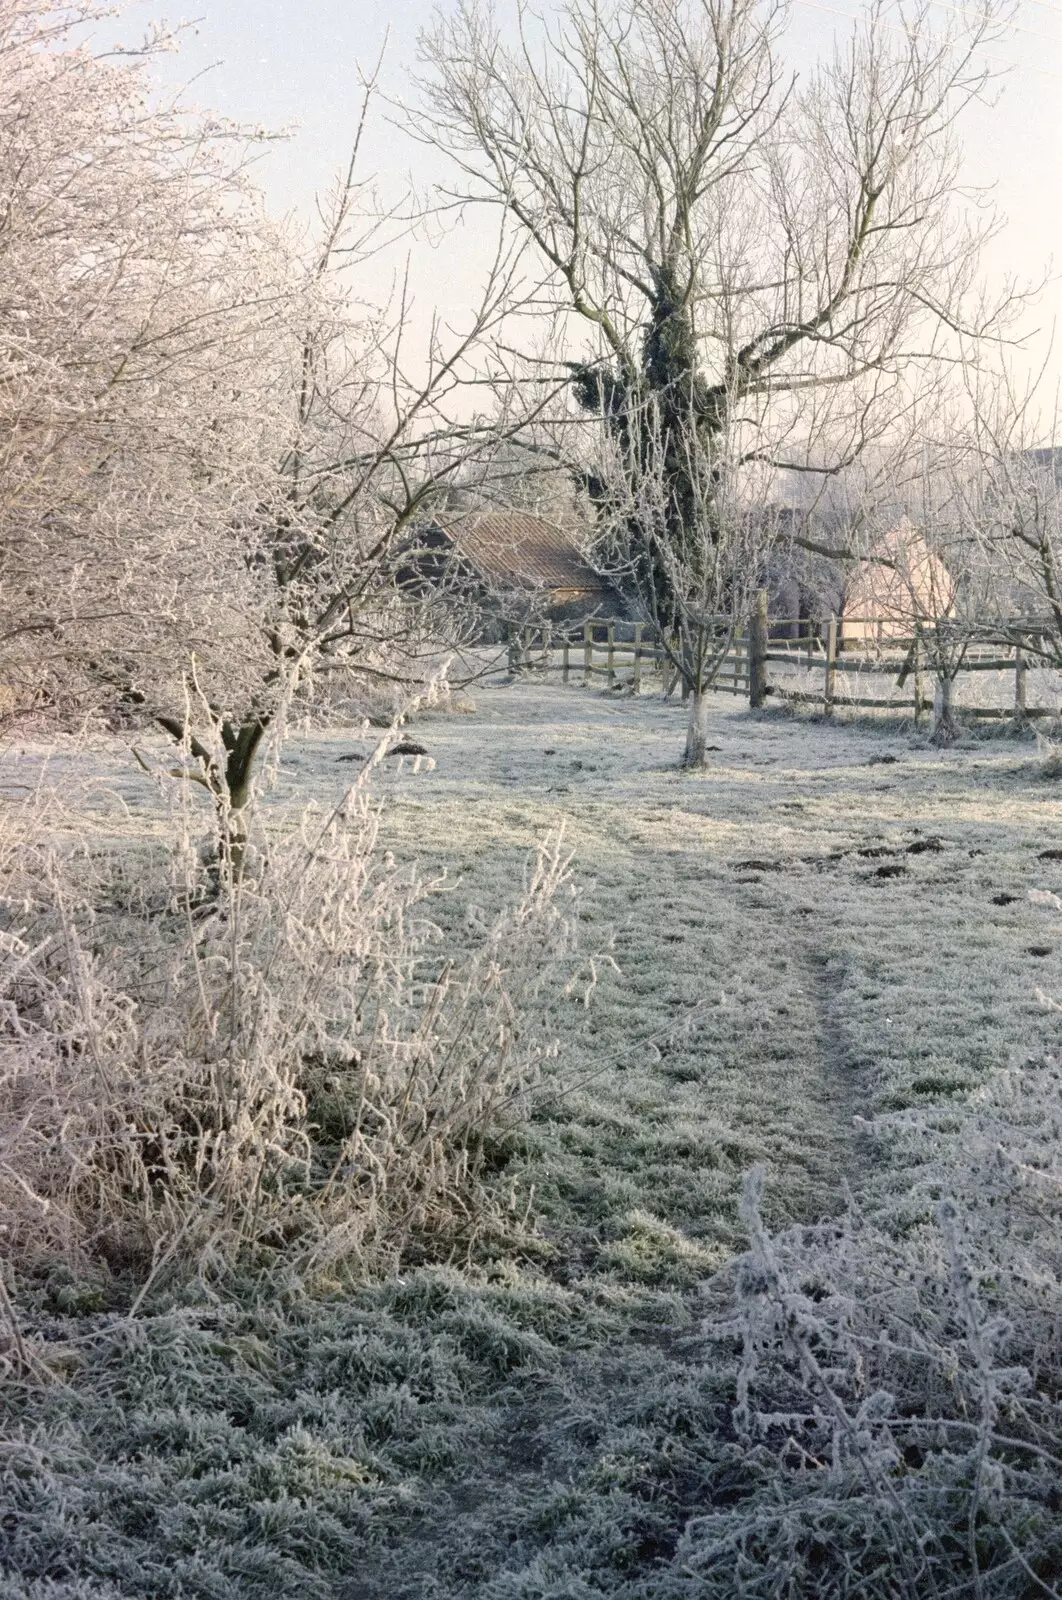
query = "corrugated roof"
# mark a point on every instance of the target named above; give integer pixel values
(514, 547)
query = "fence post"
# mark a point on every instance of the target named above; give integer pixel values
(1021, 671)
(638, 657)
(588, 653)
(565, 658)
(611, 655)
(831, 667)
(919, 678)
(758, 651)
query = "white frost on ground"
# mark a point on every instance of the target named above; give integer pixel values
(830, 924)
(784, 962)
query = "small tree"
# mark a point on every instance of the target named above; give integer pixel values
(1011, 489)
(213, 447)
(897, 519)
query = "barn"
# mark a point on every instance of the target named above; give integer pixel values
(517, 565)
(875, 600)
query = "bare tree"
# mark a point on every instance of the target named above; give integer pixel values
(910, 562)
(743, 271)
(694, 576)
(212, 446)
(1010, 483)
(372, 436)
(960, 594)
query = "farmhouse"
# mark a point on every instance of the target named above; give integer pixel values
(907, 583)
(517, 565)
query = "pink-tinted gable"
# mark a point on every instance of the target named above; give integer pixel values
(907, 584)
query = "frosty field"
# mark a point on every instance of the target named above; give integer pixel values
(819, 955)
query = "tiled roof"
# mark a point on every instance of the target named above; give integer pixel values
(516, 548)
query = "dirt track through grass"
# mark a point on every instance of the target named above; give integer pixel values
(820, 898)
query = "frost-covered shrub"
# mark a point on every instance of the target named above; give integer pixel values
(897, 1419)
(897, 1411)
(284, 1064)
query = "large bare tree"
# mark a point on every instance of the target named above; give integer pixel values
(742, 269)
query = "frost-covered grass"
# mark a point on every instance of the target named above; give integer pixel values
(819, 956)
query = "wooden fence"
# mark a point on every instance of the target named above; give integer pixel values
(868, 654)
(608, 649)
(617, 652)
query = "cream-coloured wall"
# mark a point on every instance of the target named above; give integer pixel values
(885, 598)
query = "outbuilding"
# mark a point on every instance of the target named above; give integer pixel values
(519, 566)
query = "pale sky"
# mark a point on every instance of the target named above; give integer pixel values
(294, 62)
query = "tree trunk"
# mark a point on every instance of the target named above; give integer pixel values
(697, 729)
(232, 824)
(945, 728)
(758, 630)
(243, 747)
(231, 788)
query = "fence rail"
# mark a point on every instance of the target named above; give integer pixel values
(618, 651)
(597, 651)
